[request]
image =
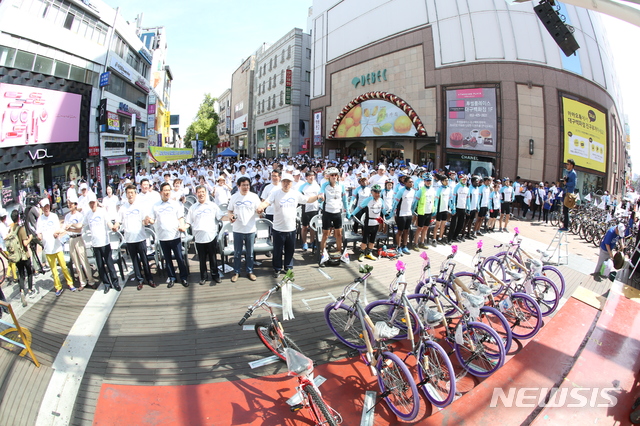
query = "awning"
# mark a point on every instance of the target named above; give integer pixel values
(115, 161)
(391, 145)
(303, 152)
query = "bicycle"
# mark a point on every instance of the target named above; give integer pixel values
(307, 392)
(478, 348)
(271, 333)
(396, 383)
(434, 367)
(451, 282)
(548, 271)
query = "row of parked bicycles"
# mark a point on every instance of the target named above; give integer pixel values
(475, 314)
(591, 223)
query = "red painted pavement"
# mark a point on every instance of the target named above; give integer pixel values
(262, 401)
(612, 354)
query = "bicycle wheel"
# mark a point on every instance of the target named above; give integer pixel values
(523, 314)
(397, 385)
(554, 274)
(546, 294)
(270, 338)
(392, 314)
(3, 270)
(494, 319)
(481, 352)
(319, 408)
(496, 266)
(435, 372)
(344, 323)
(553, 218)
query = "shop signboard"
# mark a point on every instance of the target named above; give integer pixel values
(472, 119)
(375, 118)
(585, 135)
(160, 155)
(31, 115)
(317, 126)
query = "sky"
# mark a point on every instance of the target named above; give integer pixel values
(209, 39)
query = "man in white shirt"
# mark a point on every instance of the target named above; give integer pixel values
(168, 218)
(77, 250)
(309, 188)
(48, 230)
(285, 200)
(380, 177)
(275, 184)
(131, 216)
(203, 218)
(72, 194)
(97, 220)
(148, 197)
(242, 213)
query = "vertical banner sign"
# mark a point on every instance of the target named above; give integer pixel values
(317, 128)
(287, 90)
(472, 119)
(585, 135)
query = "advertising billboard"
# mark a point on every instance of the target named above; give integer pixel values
(585, 135)
(31, 115)
(472, 119)
(375, 118)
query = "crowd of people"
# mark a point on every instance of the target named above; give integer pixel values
(372, 197)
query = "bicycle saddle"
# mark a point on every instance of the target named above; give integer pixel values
(484, 289)
(476, 301)
(515, 275)
(535, 263)
(432, 316)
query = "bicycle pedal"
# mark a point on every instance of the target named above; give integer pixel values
(296, 407)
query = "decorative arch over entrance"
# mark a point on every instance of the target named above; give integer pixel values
(388, 97)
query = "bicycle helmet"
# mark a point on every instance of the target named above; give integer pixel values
(376, 188)
(333, 171)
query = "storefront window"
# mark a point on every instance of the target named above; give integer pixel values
(588, 183)
(16, 186)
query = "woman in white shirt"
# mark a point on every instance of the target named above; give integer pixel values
(110, 204)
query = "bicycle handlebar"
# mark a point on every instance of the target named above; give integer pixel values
(246, 316)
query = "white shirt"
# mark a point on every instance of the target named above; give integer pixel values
(46, 226)
(72, 219)
(110, 204)
(284, 204)
(130, 216)
(167, 215)
(203, 218)
(407, 201)
(332, 197)
(309, 191)
(265, 196)
(148, 199)
(98, 223)
(221, 195)
(244, 207)
(4, 231)
(72, 195)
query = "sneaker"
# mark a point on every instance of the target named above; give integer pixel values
(415, 248)
(345, 258)
(276, 274)
(325, 257)
(422, 246)
(234, 278)
(184, 283)
(252, 276)
(217, 279)
(370, 256)
(59, 292)
(72, 288)
(31, 293)
(305, 247)
(563, 229)
(202, 282)
(172, 282)
(405, 250)
(23, 299)
(361, 257)
(434, 243)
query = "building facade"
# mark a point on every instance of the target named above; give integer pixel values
(224, 116)
(281, 96)
(477, 86)
(241, 106)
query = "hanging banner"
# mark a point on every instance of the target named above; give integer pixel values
(472, 119)
(170, 154)
(585, 135)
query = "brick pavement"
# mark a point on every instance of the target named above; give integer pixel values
(190, 335)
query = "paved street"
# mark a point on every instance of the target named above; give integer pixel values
(182, 336)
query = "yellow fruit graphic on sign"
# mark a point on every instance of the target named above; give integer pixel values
(402, 124)
(385, 127)
(377, 131)
(366, 112)
(342, 131)
(357, 114)
(352, 132)
(348, 122)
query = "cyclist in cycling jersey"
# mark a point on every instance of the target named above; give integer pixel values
(335, 202)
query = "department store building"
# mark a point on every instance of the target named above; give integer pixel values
(479, 86)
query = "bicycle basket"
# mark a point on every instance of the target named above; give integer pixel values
(297, 364)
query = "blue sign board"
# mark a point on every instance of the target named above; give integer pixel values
(104, 78)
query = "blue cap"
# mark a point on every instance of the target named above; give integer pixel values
(428, 177)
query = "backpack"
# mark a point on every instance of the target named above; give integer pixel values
(15, 248)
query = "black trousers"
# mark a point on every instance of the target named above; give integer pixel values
(457, 223)
(105, 265)
(207, 251)
(24, 270)
(565, 216)
(138, 253)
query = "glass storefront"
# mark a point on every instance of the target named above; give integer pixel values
(260, 142)
(284, 138)
(15, 186)
(588, 183)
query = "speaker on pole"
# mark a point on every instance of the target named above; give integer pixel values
(561, 33)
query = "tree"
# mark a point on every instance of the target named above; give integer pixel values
(205, 125)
